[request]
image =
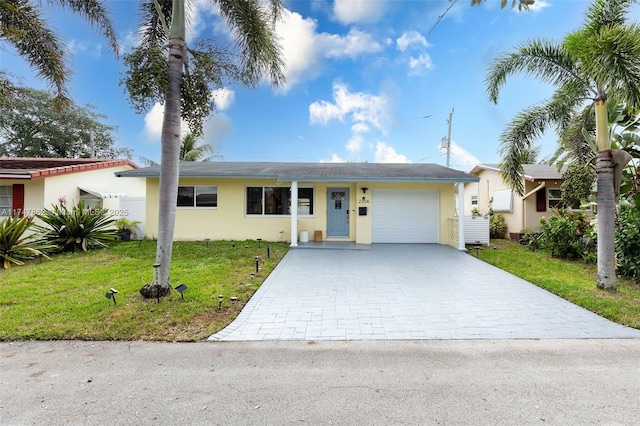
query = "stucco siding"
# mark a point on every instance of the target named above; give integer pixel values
(229, 221)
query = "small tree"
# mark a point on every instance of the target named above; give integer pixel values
(578, 185)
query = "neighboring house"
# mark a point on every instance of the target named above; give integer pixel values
(360, 202)
(27, 185)
(541, 194)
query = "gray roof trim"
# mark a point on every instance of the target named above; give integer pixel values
(532, 172)
(313, 172)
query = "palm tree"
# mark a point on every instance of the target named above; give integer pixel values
(23, 26)
(190, 150)
(599, 60)
(164, 25)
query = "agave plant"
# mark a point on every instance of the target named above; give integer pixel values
(76, 228)
(15, 246)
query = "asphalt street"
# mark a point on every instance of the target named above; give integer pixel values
(470, 382)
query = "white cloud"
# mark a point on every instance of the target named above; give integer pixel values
(535, 7)
(93, 49)
(355, 144)
(409, 39)
(386, 154)
(354, 11)
(305, 50)
(419, 62)
(352, 45)
(215, 129)
(197, 14)
(460, 158)
(153, 122)
(361, 108)
(223, 98)
(359, 128)
(335, 158)
(420, 65)
(127, 43)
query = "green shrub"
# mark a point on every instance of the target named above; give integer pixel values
(627, 240)
(77, 228)
(15, 247)
(530, 239)
(497, 226)
(567, 236)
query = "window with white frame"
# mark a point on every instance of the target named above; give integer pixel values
(6, 201)
(474, 200)
(197, 196)
(554, 198)
(269, 200)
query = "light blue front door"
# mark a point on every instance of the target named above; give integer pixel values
(337, 212)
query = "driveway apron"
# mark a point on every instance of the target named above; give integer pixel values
(406, 291)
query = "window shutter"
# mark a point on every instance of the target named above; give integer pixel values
(18, 198)
(541, 200)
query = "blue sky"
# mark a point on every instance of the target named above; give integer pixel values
(360, 75)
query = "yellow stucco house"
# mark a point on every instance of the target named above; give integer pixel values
(541, 194)
(359, 202)
(27, 185)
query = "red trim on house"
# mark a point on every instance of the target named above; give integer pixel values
(18, 199)
(36, 168)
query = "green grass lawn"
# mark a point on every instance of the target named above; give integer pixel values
(64, 298)
(574, 281)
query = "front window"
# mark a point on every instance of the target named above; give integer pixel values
(269, 200)
(474, 200)
(555, 198)
(6, 200)
(197, 196)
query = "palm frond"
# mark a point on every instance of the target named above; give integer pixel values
(612, 59)
(606, 13)
(546, 60)
(260, 53)
(518, 138)
(24, 27)
(94, 12)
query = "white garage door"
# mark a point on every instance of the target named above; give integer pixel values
(404, 216)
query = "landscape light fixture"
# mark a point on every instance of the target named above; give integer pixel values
(234, 299)
(206, 240)
(111, 294)
(268, 250)
(257, 263)
(259, 241)
(220, 301)
(180, 289)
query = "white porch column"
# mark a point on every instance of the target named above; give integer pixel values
(461, 216)
(294, 214)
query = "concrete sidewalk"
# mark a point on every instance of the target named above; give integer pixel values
(479, 382)
(406, 291)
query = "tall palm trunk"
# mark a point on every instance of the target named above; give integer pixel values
(606, 202)
(169, 162)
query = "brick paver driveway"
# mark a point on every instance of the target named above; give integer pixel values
(406, 291)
